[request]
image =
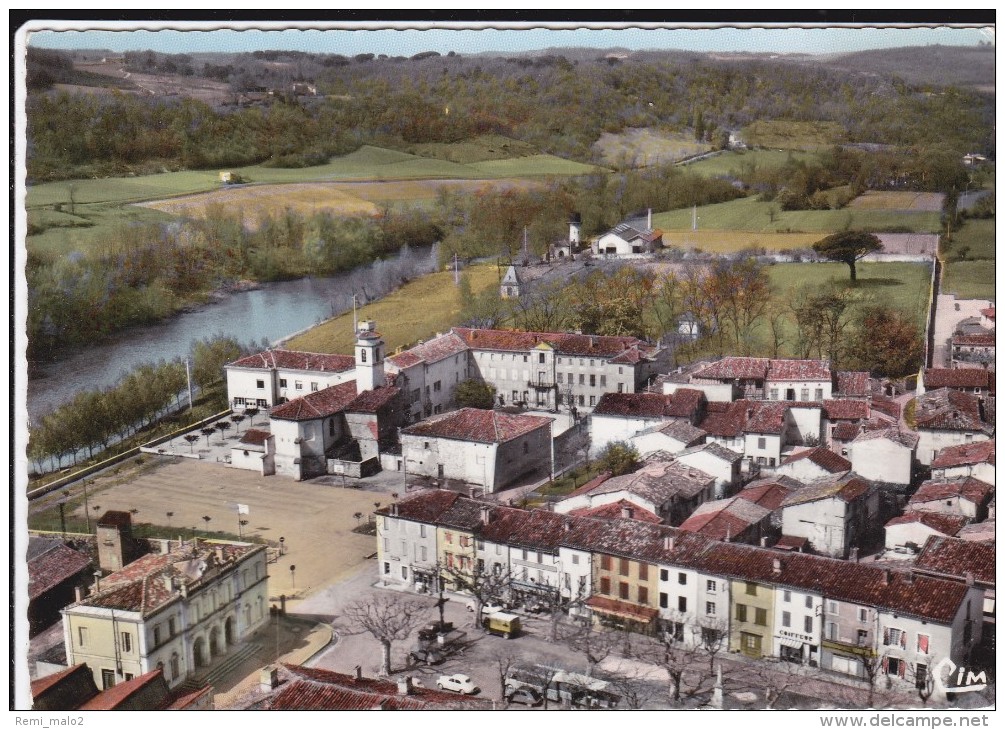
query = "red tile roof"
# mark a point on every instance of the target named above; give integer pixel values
(685, 403)
(116, 695)
(293, 360)
(659, 481)
(904, 438)
(845, 431)
(799, 370)
(475, 424)
(425, 506)
(713, 449)
(371, 401)
(851, 383)
(980, 340)
(769, 493)
(734, 368)
(563, 343)
(614, 511)
(948, 410)
(957, 378)
(255, 436)
(988, 312)
(319, 689)
(822, 457)
(43, 684)
(766, 417)
(320, 404)
(847, 487)
(968, 488)
(725, 420)
(431, 351)
(680, 431)
(48, 570)
(951, 556)
(946, 524)
(964, 454)
(142, 587)
(845, 410)
(725, 519)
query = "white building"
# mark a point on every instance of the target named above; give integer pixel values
(906, 534)
(946, 418)
(620, 416)
(671, 437)
(967, 460)
(832, 513)
(634, 236)
(407, 540)
(884, 455)
(965, 496)
(271, 377)
(490, 449)
(798, 624)
(256, 451)
(716, 460)
(813, 463)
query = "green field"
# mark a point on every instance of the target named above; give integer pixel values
(791, 135)
(400, 321)
(530, 166)
(103, 219)
(750, 214)
(977, 235)
(730, 163)
(478, 149)
(969, 279)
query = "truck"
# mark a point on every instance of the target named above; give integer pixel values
(502, 624)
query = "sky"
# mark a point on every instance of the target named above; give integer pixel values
(404, 41)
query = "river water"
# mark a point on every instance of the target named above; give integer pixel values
(273, 312)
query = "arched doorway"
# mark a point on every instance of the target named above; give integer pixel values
(228, 631)
(214, 642)
(199, 652)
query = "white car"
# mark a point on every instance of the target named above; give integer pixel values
(460, 683)
(487, 608)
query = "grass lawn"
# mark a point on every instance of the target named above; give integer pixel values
(977, 235)
(731, 241)
(750, 214)
(645, 146)
(415, 312)
(791, 135)
(104, 220)
(897, 200)
(477, 149)
(730, 163)
(531, 166)
(969, 279)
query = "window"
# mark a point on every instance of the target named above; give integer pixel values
(422, 530)
(664, 574)
(387, 545)
(741, 612)
(282, 382)
(516, 395)
(540, 558)
(623, 566)
(582, 400)
(387, 569)
(809, 601)
(751, 589)
(605, 562)
(107, 678)
(682, 604)
(314, 386)
(175, 666)
(560, 378)
(523, 554)
(621, 387)
(761, 616)
(786, 619)
(127, 642)
(892, 666)
(709, 608)
(262, 403)
(404, 572)
(498, 549)
(710, 586)
(238, 401)
(643, 594)
(593, 400)
(804, 394)
(761, 443)
(82, 636)
(448, 537)
(922, 644)
(623, 590)
(582, 379)
(808, 624)
(682, 579)
(773, 394)
(643, 571)
(819, 394)
(171, 627)
(575, 559)
(422, 553)
(892, 637)
(664, 600)
(157, 635)
(260, 384)
(920, 676)
(593, 380)
(297, 385)
(832, 607)
(540, 357)
(863, 637)
(787, 596)
(436, 386)
(603, 380)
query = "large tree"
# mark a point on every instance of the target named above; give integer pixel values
(848, 247)
(474, 394)
(387, 619)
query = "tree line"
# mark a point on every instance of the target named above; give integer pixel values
(95, 419)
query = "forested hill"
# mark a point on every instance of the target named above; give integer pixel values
(559, 104)
(925, 66)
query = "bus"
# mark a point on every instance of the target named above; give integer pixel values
(559, 685)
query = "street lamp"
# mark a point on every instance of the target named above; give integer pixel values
(282, 545)
(293, 581)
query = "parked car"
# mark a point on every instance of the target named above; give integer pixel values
(487, 608)
(525, 696)
(460, 683)
(427, 655)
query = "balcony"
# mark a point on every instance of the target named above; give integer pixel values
(542, 384)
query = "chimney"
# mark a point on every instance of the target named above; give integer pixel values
(776, 566)
(764, 541)
(968, 577)
(909, 577)
(591, 342)
(168, 583)
(886, 576)
(394, 509)
(668, 542)
(268, 678)
(853, 555)
(567, 525)
(219, 555)
(405, 685)
(359, 671)
(649, 219)
(486, 514)
(78, 594)
(626, 512)
(97, 581)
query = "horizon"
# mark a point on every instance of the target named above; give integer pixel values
(408, 39)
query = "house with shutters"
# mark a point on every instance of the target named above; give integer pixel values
(971, 460)
(407, 548)
(964, 496)
(621, 416)
(884, 455)
(833, 513)
(271, 377)
(945, 418)
(759, 378)
(489, 449)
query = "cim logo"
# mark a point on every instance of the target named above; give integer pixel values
(950, 678)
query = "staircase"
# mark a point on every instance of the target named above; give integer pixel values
(210, 675)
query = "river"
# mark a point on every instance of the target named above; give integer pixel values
(273, 312)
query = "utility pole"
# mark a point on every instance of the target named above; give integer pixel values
(188, 379)
(457, 278)
(355, 324)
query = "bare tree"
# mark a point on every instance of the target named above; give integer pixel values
(924, 679)
(595, 645)
(387, 619)
(485, 586)
(634, 686)
(712, 633)
(775, 677)
(503, 660)
(682, 660)
(872, 668)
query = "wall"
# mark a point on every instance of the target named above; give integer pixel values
(804, 470)
(841, 648)
(605, 429)
(522, 456)
(769, 455)
(984, 471)
(931, 442)
(881, 460)
(467, 461)
(403, 546)
(898, 536)
(761, 597)
(714, 392)
(800, 607)
(656, 441)
(822, 522)
(727, 474)
(577, 568)
(631, 581)
(802, 424)
(815, 390)
(244, 383)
